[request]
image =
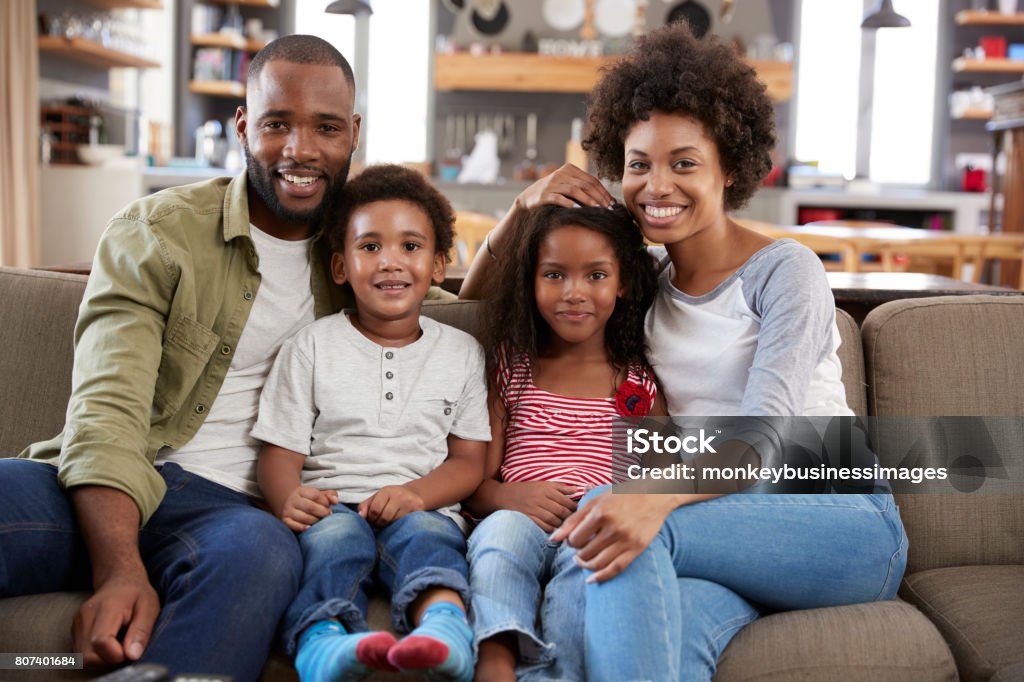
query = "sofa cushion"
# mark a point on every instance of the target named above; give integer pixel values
(889, 641)
(38, 310)
(980, 612)
(921, 360)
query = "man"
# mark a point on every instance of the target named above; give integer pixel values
(191, 294)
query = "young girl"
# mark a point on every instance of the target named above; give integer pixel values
(567, 358)
(742, 326)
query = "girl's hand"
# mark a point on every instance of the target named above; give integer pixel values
(305, 506)
(568, 186)
(612, 530)
(388, 504)
(547, 504)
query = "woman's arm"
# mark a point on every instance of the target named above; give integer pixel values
(568, 186)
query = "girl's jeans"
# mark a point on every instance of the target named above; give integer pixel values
(510, 560)
(717, 565)
(341, 551)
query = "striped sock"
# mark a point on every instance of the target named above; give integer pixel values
(441, 647)
(328, 653)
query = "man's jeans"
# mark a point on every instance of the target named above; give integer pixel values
(510, 559)
(225, 570)
(418, 551)
(716, 565)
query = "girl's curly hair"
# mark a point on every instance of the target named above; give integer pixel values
(514, 317)
(671, 71)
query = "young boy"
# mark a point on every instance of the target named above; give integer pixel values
(374, 425)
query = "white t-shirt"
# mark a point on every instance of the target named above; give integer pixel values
(222, 450)
(368, 416)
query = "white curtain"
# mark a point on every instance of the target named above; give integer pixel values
(19, 134)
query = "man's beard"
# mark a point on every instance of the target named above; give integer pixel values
(260, 180)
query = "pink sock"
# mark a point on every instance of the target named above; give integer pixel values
(372, 651)
(418, 652)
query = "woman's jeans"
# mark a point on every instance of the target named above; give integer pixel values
(341, 551)
(510, 560)
(715, 566)
(225, 570)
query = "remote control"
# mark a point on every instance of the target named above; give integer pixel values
(138, 672)
(189, 677)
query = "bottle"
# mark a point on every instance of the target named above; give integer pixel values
(574, 152)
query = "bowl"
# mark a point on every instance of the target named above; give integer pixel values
(97, 154)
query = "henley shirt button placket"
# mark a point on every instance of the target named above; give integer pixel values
(389, 375)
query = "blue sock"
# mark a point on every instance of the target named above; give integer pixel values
(328, 653)
(441, 647)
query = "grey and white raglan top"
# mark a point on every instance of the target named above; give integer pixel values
(762, 343)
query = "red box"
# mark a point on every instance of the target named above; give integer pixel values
(994, 46)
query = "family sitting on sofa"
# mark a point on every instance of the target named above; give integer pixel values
(256, 344)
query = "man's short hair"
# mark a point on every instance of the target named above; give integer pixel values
(300, 49)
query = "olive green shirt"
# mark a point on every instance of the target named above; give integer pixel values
(173, 280)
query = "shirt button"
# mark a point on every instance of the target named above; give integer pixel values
(225, 350)
(389, 395)
(252, 252)
(247, 295)
(389, 355)
(447, 411)
(389, 375)
(200, 408)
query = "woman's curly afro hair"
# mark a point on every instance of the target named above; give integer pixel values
(671, 71)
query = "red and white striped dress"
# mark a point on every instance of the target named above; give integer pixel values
(554, 438)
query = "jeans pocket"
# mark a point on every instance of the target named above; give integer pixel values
(174, 476)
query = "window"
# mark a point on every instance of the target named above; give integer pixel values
(893, 140)
(399, 45)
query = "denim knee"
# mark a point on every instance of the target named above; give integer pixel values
(506, 531)
(260, 552)
(595, 492)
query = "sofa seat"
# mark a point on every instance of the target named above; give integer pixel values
(889, 641)
(980, 612)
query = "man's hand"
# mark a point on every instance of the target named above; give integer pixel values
(568, 186)
(123, 601)
(305, 506)
(388, 504)
(612, 530)
(547, 504)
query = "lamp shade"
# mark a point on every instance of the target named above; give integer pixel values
(884, 16)
(349, 7)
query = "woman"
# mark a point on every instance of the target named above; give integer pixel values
(742, 326)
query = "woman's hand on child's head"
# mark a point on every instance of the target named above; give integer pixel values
(388, 504)
(612, 530)
(305, 506)
(568, 186)
(547, 504)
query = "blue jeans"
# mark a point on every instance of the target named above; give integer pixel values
(716, 565)
(225, 570)
(510, 559)
(340, 554)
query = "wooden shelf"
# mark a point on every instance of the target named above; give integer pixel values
(128, 4)
(93, 53)
(527, 72)
(982, 18)
(962, 65)
(245, 3)
(217, 88)
(974, 115)
(228, 40)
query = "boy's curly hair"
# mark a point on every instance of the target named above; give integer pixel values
(671, 71)
(384, 182)
(513, 314)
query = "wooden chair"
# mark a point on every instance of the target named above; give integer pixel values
(980, 249)
(918, 254)
(470, 229)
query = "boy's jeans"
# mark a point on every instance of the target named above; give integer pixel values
(340, 552)
(225, 570)
(510, 559)
(714, 566)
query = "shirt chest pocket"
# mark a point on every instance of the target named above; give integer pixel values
(186, 352)
(436, 415)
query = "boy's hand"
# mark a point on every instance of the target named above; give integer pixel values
(388, 504)
(547, 504)
(305, 506)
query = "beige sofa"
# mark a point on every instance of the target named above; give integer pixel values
(961, 611)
